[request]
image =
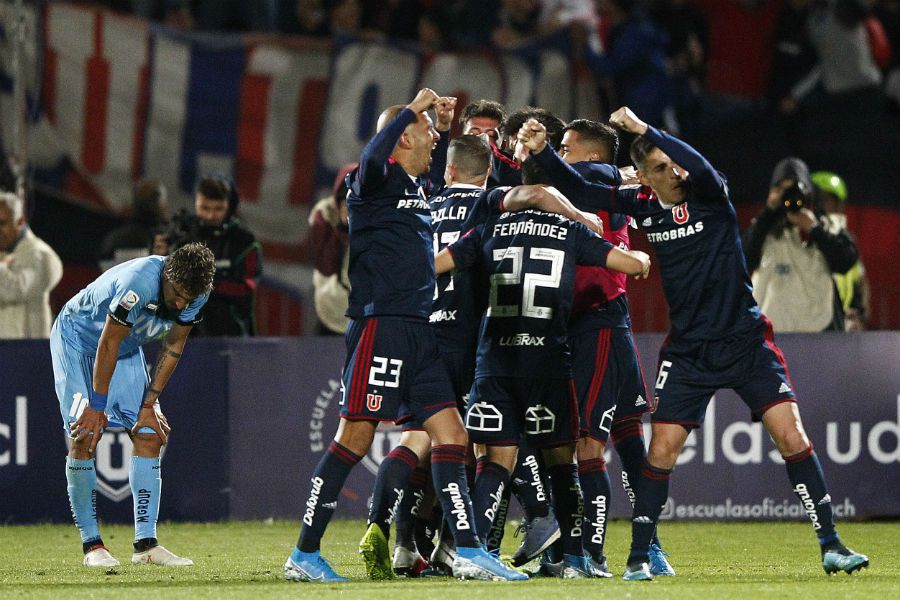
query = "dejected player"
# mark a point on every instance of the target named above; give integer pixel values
(101, 380)
(719, 337)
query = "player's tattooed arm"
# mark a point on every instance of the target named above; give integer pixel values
(166, 361)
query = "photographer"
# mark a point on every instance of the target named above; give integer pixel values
(231, 305)
(792, 250)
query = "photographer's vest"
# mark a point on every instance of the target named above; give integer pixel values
(793, 284)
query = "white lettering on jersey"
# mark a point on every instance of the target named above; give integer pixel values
(522, 339)
(674, 234)
(416, 203)
(455, 213)
(530, 228)
(442, 315)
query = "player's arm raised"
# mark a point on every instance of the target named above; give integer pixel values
(169, 354)
(633, 262)
(548, 199)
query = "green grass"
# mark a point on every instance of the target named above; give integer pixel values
(242, 560)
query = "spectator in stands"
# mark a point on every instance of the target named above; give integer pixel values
(138, 237)
(846, 64)
(852, 286)
(888, 14)
(519, 23)
(329, 237)
(687, 30)
(29, 269)
(792, 250)
(302, 17)
(230, 310)
(793, 59)
(635, 61)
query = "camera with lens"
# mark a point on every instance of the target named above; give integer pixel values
(796, 197)
(185, 228)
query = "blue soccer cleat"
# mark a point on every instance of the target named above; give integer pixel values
(659, 562)
(598, 568)
(476, 563)
(310, 566)
(637, 572)
(540, 533)
(843, 559)
(575, 567)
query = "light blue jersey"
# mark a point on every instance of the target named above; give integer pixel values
(131, 294)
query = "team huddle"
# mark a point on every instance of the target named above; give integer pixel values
(487, 309)
(489, 318)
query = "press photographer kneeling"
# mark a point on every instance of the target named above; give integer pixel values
(793, 248)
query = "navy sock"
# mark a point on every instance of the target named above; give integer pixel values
(651, 493)
(628, 439)
(327, 481)
(490, 482)
(808, 481)
(596, 487)
(448, 470)
(410, 507)
(569, 506)
(528, 485)
(495, 535)
(390, 486)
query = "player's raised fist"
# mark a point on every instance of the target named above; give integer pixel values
(625, 118)
(533, 135)
(425, 99)
(443, 109)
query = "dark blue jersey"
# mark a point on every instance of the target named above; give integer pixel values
(458, 304)
(527, 260)
(697, 242)
(391, 255)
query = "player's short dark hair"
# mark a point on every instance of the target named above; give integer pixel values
(533, 174)
(639, 150)
(598, 134)
(192, 268)
(555, 126)
(470, 154)
(483, 108)
(214, 188)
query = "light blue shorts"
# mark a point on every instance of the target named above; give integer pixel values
(73, 374)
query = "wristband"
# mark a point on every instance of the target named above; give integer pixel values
(98, 401)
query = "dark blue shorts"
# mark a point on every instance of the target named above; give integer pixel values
(750, 364)
(609, 382)
(461, 368)
(503, 410)
(393, 372)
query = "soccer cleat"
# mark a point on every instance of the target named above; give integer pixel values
(598, 569)
(540, 533)
(374, 549)
(99, 556)
(659, 562)
(637, 572)
(441, 562)
(476, 563)
(843, 559)
(310, 566)
(158, 555)
(575, 567)
(408, 562)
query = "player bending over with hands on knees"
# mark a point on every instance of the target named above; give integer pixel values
(101, 380)
(719, 336)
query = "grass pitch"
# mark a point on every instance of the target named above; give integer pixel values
(243, 560)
